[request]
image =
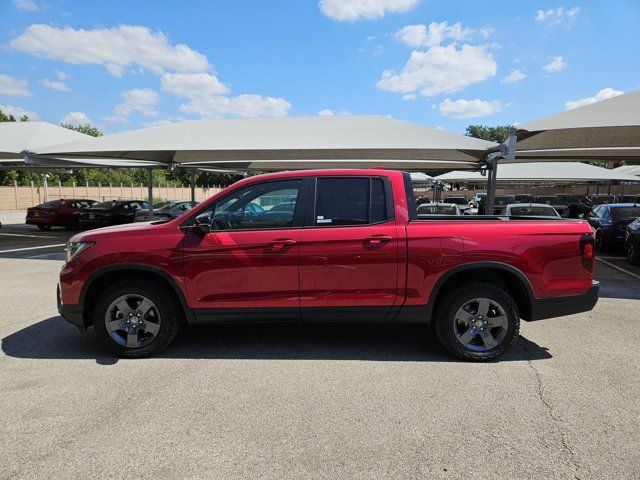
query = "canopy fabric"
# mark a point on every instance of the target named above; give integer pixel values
(286, 144)
(19, 137)
(548, 172)
(606, 129)
(420, 177)
(628, 169)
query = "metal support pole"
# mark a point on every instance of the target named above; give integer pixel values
(609, 189)
(46, 188)
(492, 170)
(193, 186)
(150, 192)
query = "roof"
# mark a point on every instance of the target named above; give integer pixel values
(19, 137)
(285, 144)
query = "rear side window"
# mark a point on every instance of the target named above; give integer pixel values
(350, 201)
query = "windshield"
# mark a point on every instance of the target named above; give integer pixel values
(503, 200)
(620, 213)
(539, 211)
(456, 200)
(436, 209)
(105, 205)
(51, 204)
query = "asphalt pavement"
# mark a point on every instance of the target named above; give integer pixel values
(317, 401)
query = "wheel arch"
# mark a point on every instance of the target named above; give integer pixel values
(105, 276)
(502, 275)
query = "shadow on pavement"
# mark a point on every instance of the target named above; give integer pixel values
(55, 339)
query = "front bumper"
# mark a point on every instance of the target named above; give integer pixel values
(542, 308)
(71, 313)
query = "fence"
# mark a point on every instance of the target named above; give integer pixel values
(22, 197)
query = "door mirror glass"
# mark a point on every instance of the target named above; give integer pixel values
(202, 224)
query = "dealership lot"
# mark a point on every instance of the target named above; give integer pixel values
(313, 401)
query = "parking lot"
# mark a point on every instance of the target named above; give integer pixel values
(359, 401)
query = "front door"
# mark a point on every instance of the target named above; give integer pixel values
(248, 264)
(349, 254)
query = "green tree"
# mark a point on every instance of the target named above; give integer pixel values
(497, 134)
(87, 129)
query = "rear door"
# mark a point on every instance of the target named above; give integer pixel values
(349, 253)
(248, 264)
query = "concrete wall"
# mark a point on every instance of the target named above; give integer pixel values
(20, 197)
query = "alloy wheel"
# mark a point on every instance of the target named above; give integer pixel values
(132, 320)
(480, 324)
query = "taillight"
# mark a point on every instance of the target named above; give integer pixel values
(587, 251)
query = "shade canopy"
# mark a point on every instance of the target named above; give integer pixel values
(606, 129)
(547, 172)
(286, 144)
(628, 169)
(420, 177)
(19, 137)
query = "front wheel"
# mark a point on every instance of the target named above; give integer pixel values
(136, 318)
(477, 321)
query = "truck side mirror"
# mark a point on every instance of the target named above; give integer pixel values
(202, 225)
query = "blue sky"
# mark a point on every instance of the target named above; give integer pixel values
(125, 65)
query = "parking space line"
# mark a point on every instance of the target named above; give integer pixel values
(32, 248)
(44, 255)
(26, 235)
(618, 268)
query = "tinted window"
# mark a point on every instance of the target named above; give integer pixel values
(625, 212)
(261, 206)
(503, 200)
(346, 201)
(456, 200)
(534, 211)
(437, 209)
(51, 204)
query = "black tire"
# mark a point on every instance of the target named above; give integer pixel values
(163, 299)
(44, 227)
(601, 246)
(633, 255)
(445, 320)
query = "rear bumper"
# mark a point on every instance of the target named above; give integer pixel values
(71, 313)
(542, 308)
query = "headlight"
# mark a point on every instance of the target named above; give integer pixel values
(74, 249)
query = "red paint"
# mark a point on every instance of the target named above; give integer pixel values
(65, 214)
(393, 263)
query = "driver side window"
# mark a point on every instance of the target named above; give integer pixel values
(265, 205)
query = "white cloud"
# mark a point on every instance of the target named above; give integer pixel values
(327, 112)
(115, 48)
(55, 85)
(469, 108)
(192, 85)
(18, 112)
(28, 5)
(435, 34)
(409, 97)
(143, 100)
(441, 69)
(352, 10)
(601, 95)
(514, 76)
(13, 87)
(76, 119)
(555, 65)
(61, 75)
(208, 98)
(247, 106)
(557, 16)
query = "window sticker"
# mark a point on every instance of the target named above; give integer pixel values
(323, 220)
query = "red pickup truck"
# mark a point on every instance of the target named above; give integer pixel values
(330, 246)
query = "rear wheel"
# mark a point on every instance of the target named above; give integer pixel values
(477, 322)
(600, 246)
(633, 255)
(44, 226)
(136, 318)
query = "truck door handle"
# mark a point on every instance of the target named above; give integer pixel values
(284, 242)
(377, 239)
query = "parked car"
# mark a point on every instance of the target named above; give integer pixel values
(610, 224)
(601, 199)
(58, 213)
(165, 210)
(428, 209)
(628, 198)
(112, 212)
(556, 203)
(632, 242)
(477, 199)
(525, 198)
(352, 249)
(499, 202)
(530, 210)
(579, 205)
(461, 201)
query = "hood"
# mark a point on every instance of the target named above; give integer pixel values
(90, 235)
